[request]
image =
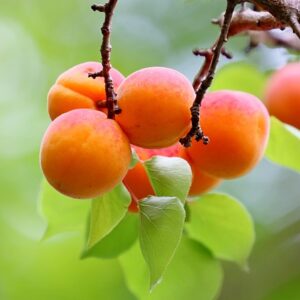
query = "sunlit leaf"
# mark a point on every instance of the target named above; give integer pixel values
(119, 240)
(134, 159)
(284, 145)
(162, 220)
(192, 274)
(223, 225)
(169, 176)
(106, 213)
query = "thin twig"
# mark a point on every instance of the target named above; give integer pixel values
(196, 130)
(208, 55)
(111, 101)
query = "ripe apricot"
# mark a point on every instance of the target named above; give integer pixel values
(84, 154)
(201, 183)
(237, 124)
(74, 89)
(139, 186)
(155, 105)
(282, 96)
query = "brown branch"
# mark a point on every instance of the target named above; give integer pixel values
(274, 38)
(248, 19)
(286, 11)
(216, 50)
(111, 101)
(208, 55)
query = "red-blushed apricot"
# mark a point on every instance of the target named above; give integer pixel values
(282, 96)
(237, 124)
(84, 154)
(74, 89)
(139, 186)
(201, 183)
(155, 105)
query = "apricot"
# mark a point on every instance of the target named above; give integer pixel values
(201, 183)
(237, 124)
(282, 96)
(139, 186)
(74, 89)
(84, 154)
(155, 105)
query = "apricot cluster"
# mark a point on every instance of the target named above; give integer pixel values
(84, 154)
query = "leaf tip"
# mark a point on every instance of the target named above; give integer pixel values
(244, 265)
(154, 283)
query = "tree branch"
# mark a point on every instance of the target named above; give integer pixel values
(249, 19)
(286, 11)
(216, 51)
(111, 101)
(277, 14)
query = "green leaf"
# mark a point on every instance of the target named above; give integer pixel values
(162, 220)
(223, 225)
(193, 274)
(241, 77)
(63, 214)
(106, 213)
(169, 176)
(134, 159)
(121, 238)
(284, 145)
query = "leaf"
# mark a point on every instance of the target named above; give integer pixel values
(63, 214)
(284, 145)
(223, 225)
(121, 238)
(169, 176)
(134, 159)
(192, 274)
(162, 220)
(242, 77)
(106, 213)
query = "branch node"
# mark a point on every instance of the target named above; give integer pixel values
(96, 7)
(95, 75)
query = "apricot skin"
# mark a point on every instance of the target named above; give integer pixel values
(74, 89)
(282, 96)
(237, 124)
(84, 154)
(139, 186)
(201, 183)
(155, 105)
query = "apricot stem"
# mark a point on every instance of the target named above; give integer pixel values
(206, 77)
(111, 101)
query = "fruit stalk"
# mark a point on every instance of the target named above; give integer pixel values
(216, 51)
(111, 101)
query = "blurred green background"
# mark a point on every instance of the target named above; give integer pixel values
(41, 39)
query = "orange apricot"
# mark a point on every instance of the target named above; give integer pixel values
(201, 183)
(139, 186)
(155, 105)
(237, 124)
(74, 89)
(84, 154)
(282, 96)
